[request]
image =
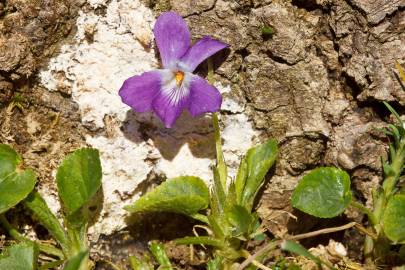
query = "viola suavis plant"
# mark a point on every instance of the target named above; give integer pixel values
(325, 193)
(78, 179)
(170, 90)
(229, 218)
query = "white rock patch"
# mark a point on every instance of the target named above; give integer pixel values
(107, 50)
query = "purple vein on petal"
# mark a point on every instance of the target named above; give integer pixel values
(200, 51)
(139, 91)
(172, 38)
(166, 109)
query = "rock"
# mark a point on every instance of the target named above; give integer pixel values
(191, 7)
(376, 11)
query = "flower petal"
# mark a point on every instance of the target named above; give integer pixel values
(139, 91)
(172, 38)
(170, 102)
(203, 97)
(200, 51)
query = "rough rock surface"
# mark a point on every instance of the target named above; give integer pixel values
(315, 85)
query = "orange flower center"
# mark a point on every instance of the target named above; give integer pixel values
(179, 75)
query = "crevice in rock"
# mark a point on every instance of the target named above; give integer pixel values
(351, 85)
(270, 110)
(381, 110)
(243, 53)
(279, 59)
(309, 5)
(356, 8)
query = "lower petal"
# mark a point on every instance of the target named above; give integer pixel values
(139, 91)
(169, 108)
(203, 97)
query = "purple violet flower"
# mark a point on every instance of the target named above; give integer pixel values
(170, 90)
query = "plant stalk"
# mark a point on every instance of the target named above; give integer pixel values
(221, 166)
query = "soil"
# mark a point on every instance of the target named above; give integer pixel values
(315, 84)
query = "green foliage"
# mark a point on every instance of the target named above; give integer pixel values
(185, 195)
(78, 179)
(215, 264)
(200, 240)
(140, 264)
(324, 192)
(15, 184)
(252, 171)
(158, 252)
(41, 212)
(230, 221)
(21, 256)
(267, 30)
(241, 221)
(394, 219)
(77, 261)
(9, 159)
(160, 255)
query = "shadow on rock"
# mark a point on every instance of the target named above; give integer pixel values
(196, 132)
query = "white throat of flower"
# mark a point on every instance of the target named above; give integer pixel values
(175, 85)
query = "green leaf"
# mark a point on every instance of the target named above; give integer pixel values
(218, 196)
(199, 240)
(240, 180)
(324, 192)
(21, 256)
(259, 160)
(37, 205)
(394, 218)
(140, 264)
(240, 219)
(77, 261)
(215, 264)
(51, 265)
(267, 30)
(158, 251)
(296, 248)
(15, 184)
(217, 225)
(78, 178)
(9, 159)
(15, 187)
(185, 195)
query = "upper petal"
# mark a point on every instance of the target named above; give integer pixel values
(203, 97)
(139, 91)
(172, 38)
(200, 51)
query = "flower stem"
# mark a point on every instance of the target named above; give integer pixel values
(221, 166)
